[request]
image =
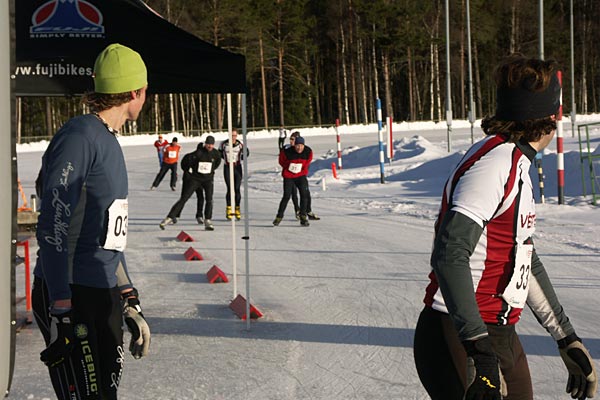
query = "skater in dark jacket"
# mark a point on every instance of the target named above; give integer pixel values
(198, 176)
(295, 161)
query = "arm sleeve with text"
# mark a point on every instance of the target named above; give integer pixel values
(67, 163)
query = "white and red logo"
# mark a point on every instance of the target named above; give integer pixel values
(67, 18)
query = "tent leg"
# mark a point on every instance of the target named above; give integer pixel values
(8, 233)
(246, 211)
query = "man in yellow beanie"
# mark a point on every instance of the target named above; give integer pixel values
(82, 290)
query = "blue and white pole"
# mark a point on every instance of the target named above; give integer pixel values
(538, 164)
(381, 153)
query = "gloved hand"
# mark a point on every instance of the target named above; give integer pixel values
(61, 339)
(583, 381)
(484, 379)
(138, 327)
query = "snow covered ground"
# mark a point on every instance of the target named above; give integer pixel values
(341, 298)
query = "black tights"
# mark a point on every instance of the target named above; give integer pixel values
(288, 186)
(442, 361)
(94, 369)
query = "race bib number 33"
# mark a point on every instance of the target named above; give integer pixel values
(116, 231)
(515, 293)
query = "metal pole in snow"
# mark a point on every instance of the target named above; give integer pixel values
(390, 140)
(380, 133)
(232, 194)
(246, 236)
(339, 144)
(560, 157)
(471, 103)
(539, 156)
(573, 108)
(541, 27)
(448, 80)
(538, 164)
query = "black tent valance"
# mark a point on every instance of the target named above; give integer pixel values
(57, 42)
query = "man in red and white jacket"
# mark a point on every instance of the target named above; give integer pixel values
(160, 145)
(295, 161)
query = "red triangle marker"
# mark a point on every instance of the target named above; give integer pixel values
(184, 237)
(215, 275)
(238, 305)
(191, 255)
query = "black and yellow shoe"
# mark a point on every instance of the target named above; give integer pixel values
(165, 222)
(313, 216)
(304, 220)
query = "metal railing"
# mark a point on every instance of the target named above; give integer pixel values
(589, 157)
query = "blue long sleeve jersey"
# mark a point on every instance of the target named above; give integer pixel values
(83, 173)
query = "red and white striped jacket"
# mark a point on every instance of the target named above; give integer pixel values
(491, 186)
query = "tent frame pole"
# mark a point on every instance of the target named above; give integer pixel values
(246, 236)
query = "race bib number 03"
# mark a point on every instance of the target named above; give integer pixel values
(172, 153)
(116, 233)
(515, 293)
(204, 167)
(294, 168)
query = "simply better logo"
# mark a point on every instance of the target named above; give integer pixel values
(67, 18)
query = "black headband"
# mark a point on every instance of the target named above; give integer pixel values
(520, 104)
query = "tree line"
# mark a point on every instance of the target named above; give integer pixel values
(310, 62)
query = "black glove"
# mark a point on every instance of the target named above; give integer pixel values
(583, 380)
(484, 380)
(138, 327)
(61, 340)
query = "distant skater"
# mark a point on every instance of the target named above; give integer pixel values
(295, 162)
(309, 213)
(170, 158)
(198, 177)
(160, 145)
(282, 137)
(239, 152)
